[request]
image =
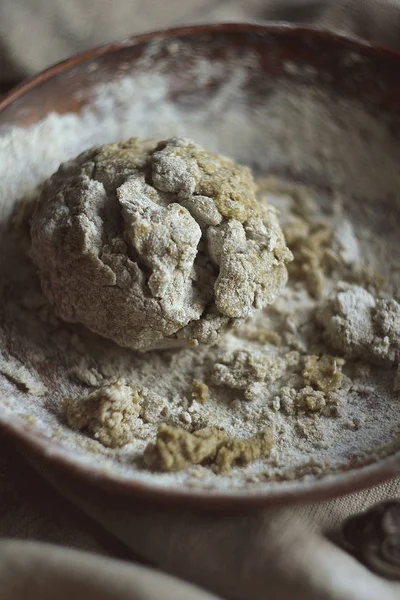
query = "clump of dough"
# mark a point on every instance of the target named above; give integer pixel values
(310, 244)
(241, 367)
(156, 244)
(323, 388)
(361, 325)
(110, 414)
(241, 452)
(243, 370)
(176, 449)
(323, 373)
(309, 400)
(200, 391)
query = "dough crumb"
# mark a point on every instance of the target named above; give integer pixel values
(110, 414)
(241, 452)
(311, 247)
(323, 388)
(308, 400)
(323, 373)
(200, 391)
(241, 369)
(176, 449)
(152, 406)
(361, 325)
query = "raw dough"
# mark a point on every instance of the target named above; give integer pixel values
(110, 414)
(361, 325)
(176, 449)
(155, 245)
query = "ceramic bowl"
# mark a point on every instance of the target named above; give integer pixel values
(320, 109)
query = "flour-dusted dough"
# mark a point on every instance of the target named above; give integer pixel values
(156, 244)
(361, 325)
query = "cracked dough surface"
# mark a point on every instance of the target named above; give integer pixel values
(156, 245)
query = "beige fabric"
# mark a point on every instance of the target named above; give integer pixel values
(38, 33)
(96, 543)
(277, 554)
(263, 554)
(44, 572)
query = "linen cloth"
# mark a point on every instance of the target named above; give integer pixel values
(64, 538)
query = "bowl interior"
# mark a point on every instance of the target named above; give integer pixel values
(307, 106)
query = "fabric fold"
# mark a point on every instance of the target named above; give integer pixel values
(43, 572)
(273, 553)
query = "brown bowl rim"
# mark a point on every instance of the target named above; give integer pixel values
(188, 30)
(41, 447)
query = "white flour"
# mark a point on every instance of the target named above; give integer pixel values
(307, 133)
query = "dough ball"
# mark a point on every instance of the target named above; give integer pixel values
(154, 245)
